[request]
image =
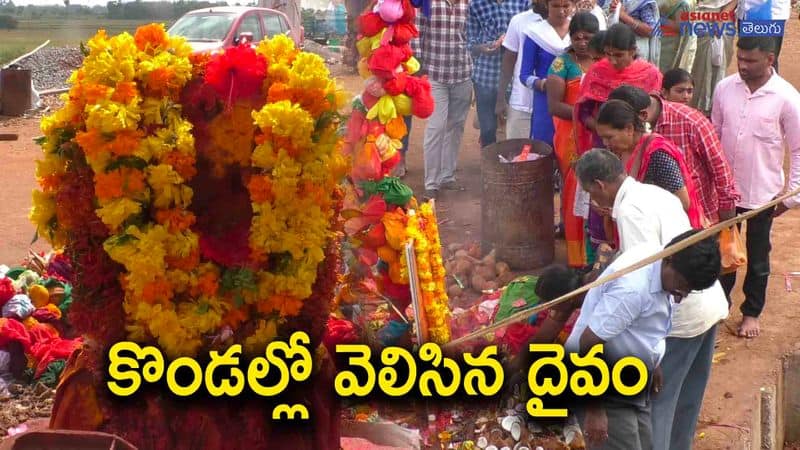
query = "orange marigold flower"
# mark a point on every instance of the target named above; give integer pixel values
(285, 305)
(159, 290)
(175, 219)
(116, 183)
(151, 37)
(108, 186)
(185, 263)
(234, 317)
(279, 91)
(124, 92)
(125, 142)
(260, 188)
(91, 141)
(182, 163)
(160, 82)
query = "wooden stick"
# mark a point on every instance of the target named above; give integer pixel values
(8, 136)
(669, 251)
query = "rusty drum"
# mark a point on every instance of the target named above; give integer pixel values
(517, 205)
(15, 91)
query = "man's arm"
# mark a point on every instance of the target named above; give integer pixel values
(511, 44)
(618, 307)
(708, 148)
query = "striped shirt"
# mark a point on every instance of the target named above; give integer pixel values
(488, 21)
(697, 139)
(442, 44)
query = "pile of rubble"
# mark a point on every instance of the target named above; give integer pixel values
(51, 67)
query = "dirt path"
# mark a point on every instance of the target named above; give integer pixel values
(745, 367)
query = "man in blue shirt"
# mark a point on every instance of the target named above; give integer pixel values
(486, 27)
(631, 316)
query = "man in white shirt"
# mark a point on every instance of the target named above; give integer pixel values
(646, 214)
(630, 316)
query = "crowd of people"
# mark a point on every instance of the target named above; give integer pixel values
(653, 143)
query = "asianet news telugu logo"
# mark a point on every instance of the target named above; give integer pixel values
(717, 24)
(700, 24)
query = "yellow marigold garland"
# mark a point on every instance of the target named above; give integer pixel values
(123, 111)
(424, 230)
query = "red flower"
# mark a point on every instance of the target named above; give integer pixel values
(238, 73)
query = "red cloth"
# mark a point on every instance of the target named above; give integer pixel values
(692, 132)
(659, 143)
(12, 330)
(6, 290)
(600, 80)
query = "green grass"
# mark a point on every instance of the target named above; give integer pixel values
(61, 32)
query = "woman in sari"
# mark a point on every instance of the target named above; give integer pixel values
(644, 19)
(543, 42)
(620, 66)
(563, 87)
(648, 157)
(677, 49)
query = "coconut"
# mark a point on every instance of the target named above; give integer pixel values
(501, 267)
(486, 272)
(478, 282)
(454, 291)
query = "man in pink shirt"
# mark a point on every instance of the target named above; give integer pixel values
(757, 114)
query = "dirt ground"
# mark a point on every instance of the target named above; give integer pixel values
(743, 365)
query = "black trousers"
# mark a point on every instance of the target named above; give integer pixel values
(755, 281)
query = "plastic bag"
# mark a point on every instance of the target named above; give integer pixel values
(732, 251)
(717, 48)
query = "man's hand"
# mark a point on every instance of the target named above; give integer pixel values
(725, 214)
(779, 210)
(595, 427)
(658, 380)
(485, 49)
(500, 108)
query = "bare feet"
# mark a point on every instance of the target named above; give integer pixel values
(749, 327)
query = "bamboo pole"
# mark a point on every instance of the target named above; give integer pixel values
(669, 251)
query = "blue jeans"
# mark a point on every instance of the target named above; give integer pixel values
(685, 367)
(486, 99)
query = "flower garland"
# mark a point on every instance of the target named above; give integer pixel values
(155, 126)
(424, 231)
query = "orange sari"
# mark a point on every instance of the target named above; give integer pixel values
(567, 153)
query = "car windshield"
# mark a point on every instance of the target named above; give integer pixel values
(203, 27)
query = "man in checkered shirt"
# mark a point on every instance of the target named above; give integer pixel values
(442, 51)
(486, 28)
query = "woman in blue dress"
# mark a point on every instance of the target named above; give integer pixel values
(543, 42)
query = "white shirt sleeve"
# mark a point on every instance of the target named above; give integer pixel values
(513, 38)
(716, 109)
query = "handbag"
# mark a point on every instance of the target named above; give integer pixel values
(733, 253)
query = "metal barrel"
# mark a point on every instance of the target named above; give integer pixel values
(15, 91)
(517, 205)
